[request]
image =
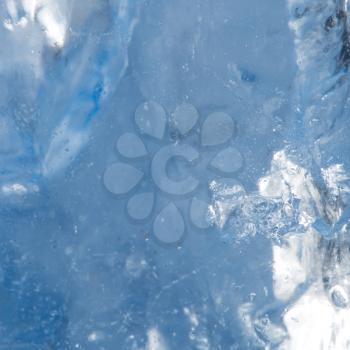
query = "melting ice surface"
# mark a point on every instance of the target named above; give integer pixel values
(174, 175)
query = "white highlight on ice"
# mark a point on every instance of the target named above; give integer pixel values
(155, 340)
(51, 16)
(313, 318)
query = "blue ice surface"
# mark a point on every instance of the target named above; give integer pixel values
(115, 141)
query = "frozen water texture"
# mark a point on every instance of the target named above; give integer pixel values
(174, 175)
(55, 72)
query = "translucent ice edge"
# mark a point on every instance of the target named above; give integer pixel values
(311, 270)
